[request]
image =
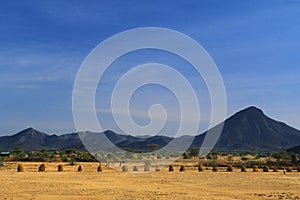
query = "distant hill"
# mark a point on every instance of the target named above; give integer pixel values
(295, 149)
(31, 139)
(251, 130)
(248, 130)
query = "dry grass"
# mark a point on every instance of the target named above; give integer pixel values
(111, 184)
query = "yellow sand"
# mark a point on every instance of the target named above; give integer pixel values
(111, 184)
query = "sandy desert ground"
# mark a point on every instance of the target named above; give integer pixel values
(111, 184)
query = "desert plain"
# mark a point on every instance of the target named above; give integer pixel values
(113, 184)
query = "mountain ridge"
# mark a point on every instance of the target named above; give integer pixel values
(247, 130)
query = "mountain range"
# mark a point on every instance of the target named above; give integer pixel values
(248, 130)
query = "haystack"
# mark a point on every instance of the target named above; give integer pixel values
(243, 169)
(21, 168)
(229, 168)
(255, 168)
(200, 168)
(146, 168)
(182, 168)
(99, 168)
(80, 168)
(289, 169)
(157, 169)
(60, 168)
(275, 169)
(135, 169)
(124, 168)
(171, 168)
(265, 169)
(215, 168)
(42, 168)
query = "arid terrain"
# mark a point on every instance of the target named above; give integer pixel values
(111, 184)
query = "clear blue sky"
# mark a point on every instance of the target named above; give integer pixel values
(255, 44)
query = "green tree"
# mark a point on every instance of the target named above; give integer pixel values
(194, 152)
(153, 147)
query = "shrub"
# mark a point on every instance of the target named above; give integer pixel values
(80, 168)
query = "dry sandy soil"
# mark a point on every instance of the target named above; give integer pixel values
(111, 184)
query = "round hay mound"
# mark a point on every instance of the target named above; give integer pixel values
(20, 168)
(243, 169)
(265, 169)
(182, 168)
(157, 169)
(80, 168)
(171, 168)
(200, 168)
(42, 168)
(275, 169)
(289, 169)
(99, 168)
(146, 168)
(255, 168)
(124, 168)
(215, 168)
(135, 169)
(60, 168)
(229, 168)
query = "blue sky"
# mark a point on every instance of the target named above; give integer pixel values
(255, 45)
